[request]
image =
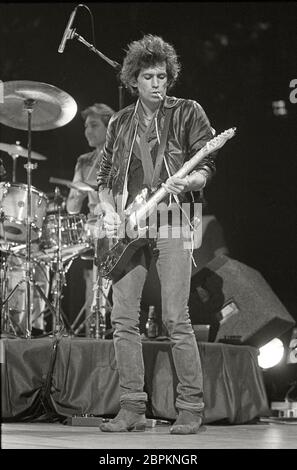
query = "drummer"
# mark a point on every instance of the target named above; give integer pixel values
(96, 119)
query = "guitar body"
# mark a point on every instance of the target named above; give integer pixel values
(111, 261)
(113, 254)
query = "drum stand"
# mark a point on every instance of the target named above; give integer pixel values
(59, 271)
(52, 108)
(28, 277)
(6, 323)
(99, 307)
(29, 105)
(7, 326)
(30, 283)
(14, 164)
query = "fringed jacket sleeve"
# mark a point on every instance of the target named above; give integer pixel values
(104, 173)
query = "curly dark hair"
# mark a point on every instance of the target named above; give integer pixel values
(148, 52)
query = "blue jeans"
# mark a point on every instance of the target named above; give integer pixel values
(174, 268)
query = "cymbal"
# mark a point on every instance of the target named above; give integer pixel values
(17, 150)
(79, 185)
(52, 107)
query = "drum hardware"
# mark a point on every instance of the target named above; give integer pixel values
(70, 241)
(6, 322)
(3, 172)
(16, 151)
(10, 288)
(46, 107)
(14, 166)
(100, 306)
(58, 281)
(50, 256)
(100, 302)
(58, 324)
(56, 293)
(52, 206)
(28, 105)
(63, 240)
(4, 244)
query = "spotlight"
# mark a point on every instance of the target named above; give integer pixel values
(292, 354)
(271, 353)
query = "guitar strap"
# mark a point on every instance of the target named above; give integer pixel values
(160, 154)
(142, 151)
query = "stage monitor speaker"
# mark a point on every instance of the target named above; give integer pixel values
(237, 303)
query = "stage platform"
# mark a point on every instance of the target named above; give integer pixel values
(75, 376)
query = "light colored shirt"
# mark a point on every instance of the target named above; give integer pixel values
(85, 170)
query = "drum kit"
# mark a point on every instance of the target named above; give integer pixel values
(38, 239)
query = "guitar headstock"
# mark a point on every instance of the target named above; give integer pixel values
(218, 141)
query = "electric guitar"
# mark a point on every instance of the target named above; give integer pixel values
(113, 254)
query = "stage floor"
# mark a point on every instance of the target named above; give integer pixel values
(59, 436)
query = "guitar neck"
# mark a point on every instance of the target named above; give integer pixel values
(188, 166)
(161, 193)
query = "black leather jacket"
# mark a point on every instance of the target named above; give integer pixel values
(189, 131)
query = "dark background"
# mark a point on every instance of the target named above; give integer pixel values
(238, 58)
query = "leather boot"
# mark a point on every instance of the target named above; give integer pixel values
(125, 420)
(187, 422)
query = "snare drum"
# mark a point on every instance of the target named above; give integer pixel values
(13, 204)
(72, 230)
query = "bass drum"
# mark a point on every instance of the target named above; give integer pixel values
(16, 305)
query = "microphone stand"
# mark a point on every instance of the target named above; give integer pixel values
(113, 63)
(100, 317)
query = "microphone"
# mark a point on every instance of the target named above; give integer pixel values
(68, 31)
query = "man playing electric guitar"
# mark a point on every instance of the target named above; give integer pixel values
(146, 144)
